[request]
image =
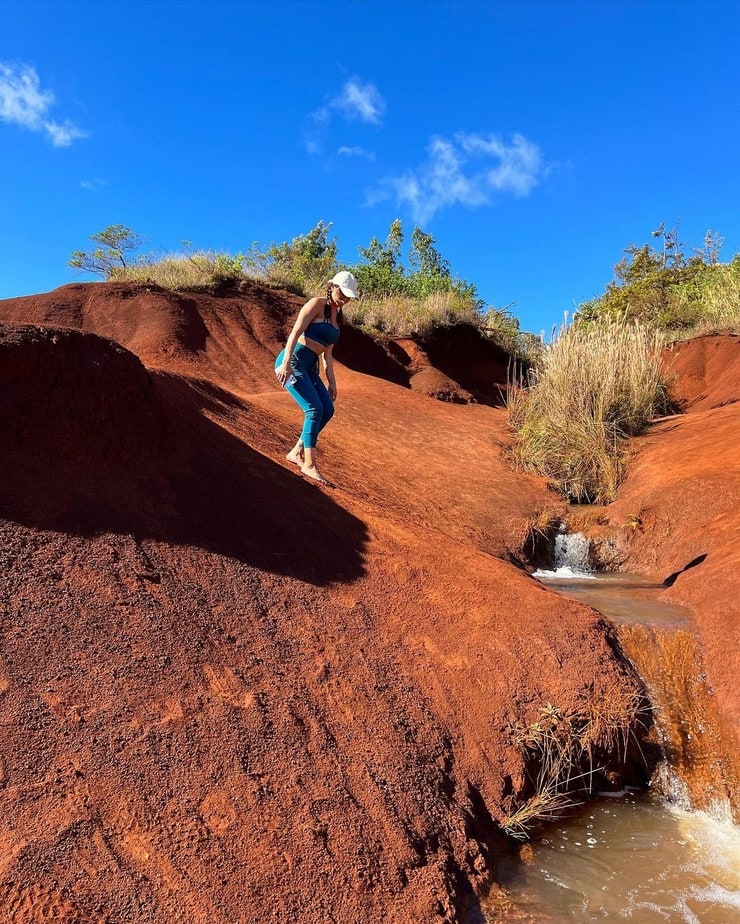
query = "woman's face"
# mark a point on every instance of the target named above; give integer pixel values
(338, 297)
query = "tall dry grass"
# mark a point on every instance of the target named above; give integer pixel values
(402, 315)
(593, 387)
(193, 270)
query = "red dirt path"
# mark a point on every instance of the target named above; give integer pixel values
(228, 694)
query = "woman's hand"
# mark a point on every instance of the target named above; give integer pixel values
(333, 391)
(282, 372)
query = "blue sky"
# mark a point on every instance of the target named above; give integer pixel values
(534, 140)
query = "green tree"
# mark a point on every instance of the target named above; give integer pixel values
(425, 258)
(382, 272)
(117, 242)
(303, 265)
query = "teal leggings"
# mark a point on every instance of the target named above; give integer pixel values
(309, 393)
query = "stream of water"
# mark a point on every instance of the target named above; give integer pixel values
(644, 858)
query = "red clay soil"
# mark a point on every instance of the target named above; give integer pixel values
(231, 695)
(678, 513)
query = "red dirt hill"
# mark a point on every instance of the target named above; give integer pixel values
(678, 513)
(228, 694)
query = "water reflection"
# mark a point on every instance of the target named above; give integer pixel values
(624, 598)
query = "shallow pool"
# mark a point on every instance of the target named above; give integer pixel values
(628, 859)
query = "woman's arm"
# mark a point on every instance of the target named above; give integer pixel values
(305, 316)
(329, 370)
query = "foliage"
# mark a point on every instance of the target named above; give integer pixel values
(502, 327)
(593, 387)
(382, 273)
(401, 300)
(397, 299)
(669, 289)
(303, 266)
(117, 242)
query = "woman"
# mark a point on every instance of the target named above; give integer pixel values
(314, 334)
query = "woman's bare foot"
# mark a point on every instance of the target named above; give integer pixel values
(310, 471)
(296, 456)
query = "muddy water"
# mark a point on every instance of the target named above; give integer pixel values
(672, 855)
(632, 859)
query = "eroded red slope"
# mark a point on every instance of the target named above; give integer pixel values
(228, 694)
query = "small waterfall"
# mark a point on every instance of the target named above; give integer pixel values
(700, 771)
(571, 556)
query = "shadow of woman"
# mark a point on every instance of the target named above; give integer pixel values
(95, 443)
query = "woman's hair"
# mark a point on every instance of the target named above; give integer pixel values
(327, 306)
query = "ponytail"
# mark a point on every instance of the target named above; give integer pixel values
(327, 307)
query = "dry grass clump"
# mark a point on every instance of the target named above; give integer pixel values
(402, 315)
(547, 804)
(299, 280)
(561, 752)
(181, 271)
(591, 388)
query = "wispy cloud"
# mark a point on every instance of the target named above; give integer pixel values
(357, 101)
(356, 151)
(94, 184)
(468, 169)
(23, 102)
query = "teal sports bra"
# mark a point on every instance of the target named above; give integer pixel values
(322, 332)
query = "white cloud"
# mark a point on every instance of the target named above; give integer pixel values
(21, 98)
(360, 101)
(355, 151)
(357, 101)
(63, 135)
(24, 103)
(466, 170)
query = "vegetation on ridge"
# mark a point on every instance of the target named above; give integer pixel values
(397, 300)
(596, 385)
(668, 288)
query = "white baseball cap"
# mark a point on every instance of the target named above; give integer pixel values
(346, 282)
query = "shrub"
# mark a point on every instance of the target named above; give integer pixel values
(718, 292)
(670, 290)
(303, 266)
(503, 328)
(404, 316)
(412, 301)
(382, 273)
(594, 386)
(562, 751)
